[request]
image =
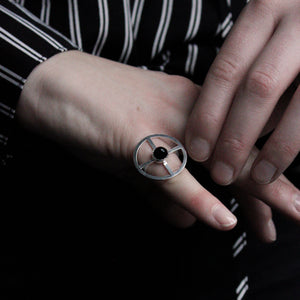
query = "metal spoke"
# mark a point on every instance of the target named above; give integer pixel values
(152, 145)
(146, 164)
(176, 148)
(166, 165)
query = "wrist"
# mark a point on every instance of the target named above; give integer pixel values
(39, 86)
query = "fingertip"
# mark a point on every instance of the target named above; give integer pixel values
(264, 172)
(267, 234)
(272, 234)
(222, 173)
(199, 149)
(224, 218)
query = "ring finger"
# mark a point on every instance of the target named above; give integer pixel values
(282, 147)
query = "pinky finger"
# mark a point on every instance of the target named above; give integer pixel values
(282, 147)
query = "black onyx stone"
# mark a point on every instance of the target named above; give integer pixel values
(160, 153)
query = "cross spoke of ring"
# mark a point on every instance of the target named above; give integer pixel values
(150, 142)
(176, 148)
(146, 164)
(166, 165)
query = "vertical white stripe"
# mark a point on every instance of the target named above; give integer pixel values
(71, 22)
(198, 19)
(195, 19)
(128, 40)
(43, 8)
(166, 27)
(136, 16)
(192, 21)
(191, 59)
(47, 17)
(103, 27)
(74, 23)
(194, 59)
(77, 23)
(163, 27)
(45, 11)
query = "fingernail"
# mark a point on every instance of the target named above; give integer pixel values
(222, 173)
(263, 172)
(272, 231)
(297, 202)
(223, 217)
(199, 149)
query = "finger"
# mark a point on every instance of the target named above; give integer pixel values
(170, 211)
(282, 147)
(245, 42)
(184, 189)
(271, 74)
(259, 217)
(281, 194)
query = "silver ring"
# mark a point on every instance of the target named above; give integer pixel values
(153, 155)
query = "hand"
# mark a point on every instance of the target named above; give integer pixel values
(258, 62)
(101, 109)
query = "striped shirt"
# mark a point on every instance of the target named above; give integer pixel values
(174, 36)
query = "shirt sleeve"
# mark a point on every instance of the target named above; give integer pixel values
(25, 42)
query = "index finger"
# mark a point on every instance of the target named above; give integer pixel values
(186, 191)
(182, 188)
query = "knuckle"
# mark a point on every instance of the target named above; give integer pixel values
(235, 144)
(183, 85)
(261, 84)
(225, 70)
(196, 202)
(210, 118)
(282, 150)
(288, 151)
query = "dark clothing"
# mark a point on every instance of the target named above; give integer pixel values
(58, 215)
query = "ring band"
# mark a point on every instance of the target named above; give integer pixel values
(160, 151)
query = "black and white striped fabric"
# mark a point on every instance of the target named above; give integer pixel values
(174, 36)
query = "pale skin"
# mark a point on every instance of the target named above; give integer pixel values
(242, 98)
(100, 110)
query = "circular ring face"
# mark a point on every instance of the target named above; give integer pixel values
(159, 157)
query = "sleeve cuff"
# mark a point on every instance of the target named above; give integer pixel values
(25, 42)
